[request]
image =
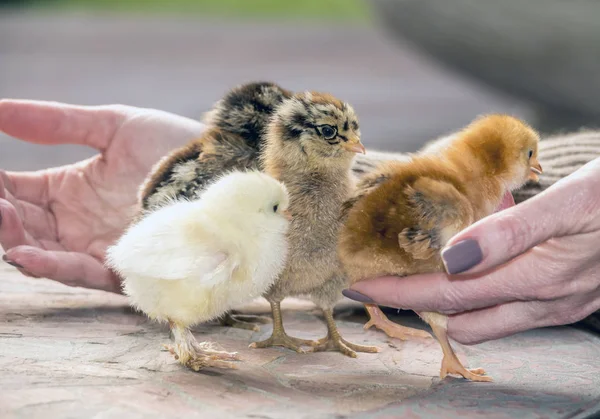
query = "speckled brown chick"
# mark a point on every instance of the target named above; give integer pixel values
(310, 145)
(403, 214)
(232, 140)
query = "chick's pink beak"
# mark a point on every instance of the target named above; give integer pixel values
(355, 146)
(536, 170)
(287, 215)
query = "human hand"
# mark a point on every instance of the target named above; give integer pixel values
(57, 223)
(538, 264)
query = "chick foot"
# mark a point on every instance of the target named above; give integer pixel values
(393, 330)
(196, 355)
(279, 337)
(282, 339)
(334, 341)
(241, 321)
(450, 363)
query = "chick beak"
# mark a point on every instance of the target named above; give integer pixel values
(287, 215)
(354, 145)
(536, 170)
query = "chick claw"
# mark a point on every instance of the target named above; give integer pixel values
(334, 341)
(451, 365)
(203, 356)
(239, 321)
(282, 339)
(393, 330)
(341, 345)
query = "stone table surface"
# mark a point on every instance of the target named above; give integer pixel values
(72, 353)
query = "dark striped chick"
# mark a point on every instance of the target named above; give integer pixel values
(232, 140)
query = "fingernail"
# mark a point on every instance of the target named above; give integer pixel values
(462, 256)
(10, 262)
(357, 296)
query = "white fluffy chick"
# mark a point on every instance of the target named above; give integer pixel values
(191, 261)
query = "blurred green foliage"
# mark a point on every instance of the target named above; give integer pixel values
(355, 10)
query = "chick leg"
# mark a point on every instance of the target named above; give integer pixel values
(196, 355)
(334, 341)
(393, 330)
(278, 336)
(450, 362)
(240, 321)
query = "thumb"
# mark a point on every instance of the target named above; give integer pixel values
(568, 207)
(58, 123)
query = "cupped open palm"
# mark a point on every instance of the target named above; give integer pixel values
(57, 223)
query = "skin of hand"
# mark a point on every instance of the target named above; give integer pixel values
(533, 265)
(57, 223)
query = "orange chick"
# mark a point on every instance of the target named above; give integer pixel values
(403, 213)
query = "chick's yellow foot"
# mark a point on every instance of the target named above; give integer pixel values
(245, 322)
(339, 344)
(278, 336)
(393, 330)
(451, 365)
(334, 341)
(450, 362)
(282, 339)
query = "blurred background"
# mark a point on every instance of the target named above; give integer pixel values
(413, 69)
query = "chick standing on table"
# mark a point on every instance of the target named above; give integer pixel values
(232, 141)
(404, 213)
(309, 146)
(190, 261)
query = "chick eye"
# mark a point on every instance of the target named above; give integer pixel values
(328, 132)
(530, 153)
(275, 207)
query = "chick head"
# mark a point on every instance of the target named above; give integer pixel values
(252, 198)
(509, 147)
(317, 127)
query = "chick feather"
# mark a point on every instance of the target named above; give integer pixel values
(190, 261)
(402, 215)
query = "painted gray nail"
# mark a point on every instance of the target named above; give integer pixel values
(10, 262)
(357, 296)
(462, 256)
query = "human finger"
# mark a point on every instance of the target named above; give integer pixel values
(500, 237)
(27, 186)
(43, 122)
(69, 268)
(543, 273)
(517, 316)
(12, 232)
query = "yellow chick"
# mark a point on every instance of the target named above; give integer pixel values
(188, 262)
